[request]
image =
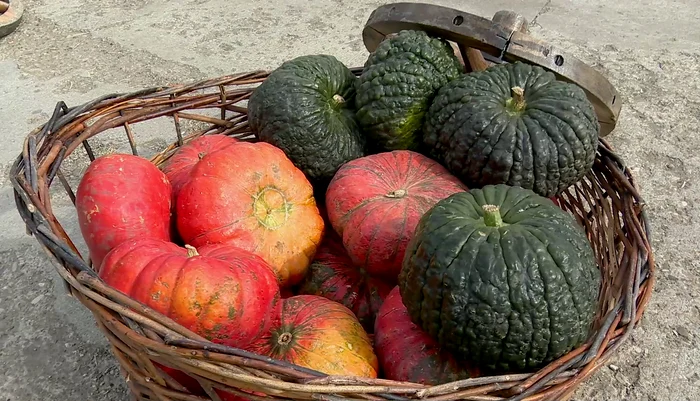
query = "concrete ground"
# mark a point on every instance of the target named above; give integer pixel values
(75, 50)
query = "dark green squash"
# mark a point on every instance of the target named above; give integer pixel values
(399, 80)
(305, 107)
(513, 124)
(502, 277)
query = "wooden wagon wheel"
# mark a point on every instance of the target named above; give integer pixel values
(10, 16)
(503, 39)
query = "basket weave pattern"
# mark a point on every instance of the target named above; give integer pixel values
(606, 203)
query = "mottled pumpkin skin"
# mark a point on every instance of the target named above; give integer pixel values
(317, 333)
(478, 131)
(406, 353)
(509, 297)
(250, 195)
(375, 203)
(121, 197)
(397, 85)
(225, 294)
(333, 275)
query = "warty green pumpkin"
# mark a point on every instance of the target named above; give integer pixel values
(306, 108)
(513, 124)
(502, 277)
(397, 84)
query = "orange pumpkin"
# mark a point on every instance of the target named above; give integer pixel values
(320, 334)
(251, 195)
(223, 293)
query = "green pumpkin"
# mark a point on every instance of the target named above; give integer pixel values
(305, 107)
(502, 277)
(513, 124)
(399, 80)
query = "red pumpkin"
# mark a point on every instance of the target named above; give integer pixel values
(225, 294)
(406, 353)
(121, 197)
(252, 196)
(333, 275)
(375, 203)
(179, 167)
(319, 334)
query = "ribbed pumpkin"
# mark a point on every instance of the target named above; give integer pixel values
(333, 275)
(514, 124)
(375, 202)
(179, 167)
(397, 85)
(251, 195)
(406, 353)
(121, 197)
(306, 108)
(502, 277)
(223, 293)
(317, 333)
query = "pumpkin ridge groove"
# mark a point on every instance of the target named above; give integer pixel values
(557, 136)
(349, 214)
(444, 299)
(176, 283)
(377, 227)
(166, 263)
(218, 229)
(511, 302)
(477, 165)
(546, 294)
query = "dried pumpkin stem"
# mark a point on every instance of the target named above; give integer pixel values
(338, 99)
(191, 251)
(284, 338)
(518, 99)
(399, 193)
(492, 216)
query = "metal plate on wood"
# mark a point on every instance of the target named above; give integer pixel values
(10, 16)
(498, 43)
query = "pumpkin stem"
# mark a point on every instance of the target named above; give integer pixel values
(399, 193)
(518, 99)
(338, 99)
(191, 251)
(492, 216)
(284, 338)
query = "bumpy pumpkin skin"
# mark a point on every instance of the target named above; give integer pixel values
(250, 195)
(306, 108)
(375, 203)
(225, 294)
(399, 80)
(333, 275)
(317, 333)
(483, 135)
(121, 197)
(508, 298)
(406, 353)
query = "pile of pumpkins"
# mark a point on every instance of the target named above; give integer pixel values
(401, 224)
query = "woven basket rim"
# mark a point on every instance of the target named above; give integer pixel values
(48, 145)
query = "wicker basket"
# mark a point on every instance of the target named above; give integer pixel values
(606, 203)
